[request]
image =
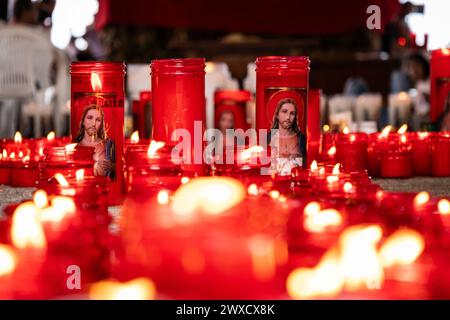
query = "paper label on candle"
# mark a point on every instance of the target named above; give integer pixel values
(286, 106)
(98, 122)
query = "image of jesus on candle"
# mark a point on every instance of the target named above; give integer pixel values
(91, 133)
(288, 143)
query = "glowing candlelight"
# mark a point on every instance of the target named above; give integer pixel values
(51, 136)
(332, 179)
(385, 132)
(79, 175)
(61, 180)
(335, 171)
(403, 247)
(153, 147)
(346, 130)
(135, 137)
(20, 154)
(137, 289)
(70, 147)
(12, 155)
(212, 195)
(445, 51)
(5, 154)
(326, 128)
(348, 186)
(314, 168)
(185, 180)
(96, 83)
(444, 206)
(17, 137)
(7, 260)
(402, 129)
(332, 151)
(40, 199)
(274, 194)
(421, 199)
(320, 221)
(26, 230)
(253, 190)
(163, 197)
(246, 154)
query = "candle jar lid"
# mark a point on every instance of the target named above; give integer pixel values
(87, 67)
(282, 63)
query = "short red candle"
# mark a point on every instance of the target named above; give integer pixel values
(396, 164)
(351, 151)
(440, 81)
(97, 90)
(234, 101)
(440, 155)
(313, 125)
(178, 88)
(421, 154)
(142, 114)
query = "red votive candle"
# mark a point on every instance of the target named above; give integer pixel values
(396, 164)
(235, 103)
(97, 118)
(440, 155)
(178, 88)
(313, 125)
(421, 153)
(440, 83)
(142, 114)
(351, 151)
(280, 81)
(378, 145)
(327, 150)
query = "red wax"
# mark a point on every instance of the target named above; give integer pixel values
(440, 155)
(440, 82)
(351, 151)
(327, 141)
(5, 172)
(178, 88)
(421, 153)
(396, 164)
(234, 101)
(24, 174)
(313, 125)
(100, 86)
(377, 146)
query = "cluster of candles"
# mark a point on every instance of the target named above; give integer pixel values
(324, 231)
(389, 154)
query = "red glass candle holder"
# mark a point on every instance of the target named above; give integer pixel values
(142, 114)
(326, 152)
(313, 125)
(396, 164)
(97, 117)
(440, 83)
(281, 80)
(24, 173)
(178, 88)
(234, 102)
(378, 145)
(351, 151)
(440, 155)
(421, 153)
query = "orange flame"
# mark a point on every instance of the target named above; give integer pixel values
(326, 128)
(246, 154)
(135, 137)
(444, 206)
(61, 180)
(403, 247)
(332, 151)
(348, 186)
(40, 199)
(17, 137)
(163, 197)
(51, 136)
(253, 190)
(385, 132)
(137, 289)
(336, 169)
(8, 260)
(314, 168)
(79, 175)
(70, 147)
(26, 230)
(402, 129)
(346, 130)
(421, 198)
(153, 147)
(262, 249)
(96, 83)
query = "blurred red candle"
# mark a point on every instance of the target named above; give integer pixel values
(351, 151)
(440, 82)
(421, 155)
(440, 155)
(313, 125)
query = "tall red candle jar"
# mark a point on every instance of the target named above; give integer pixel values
(97, 118)
(234, 103)
(178, 88)
(281, 98)
(142, 114)
(327, 149)
(440, 86)
(421, 153)
(351, 151)
(440, 155)
(5, 172)
(313, 125)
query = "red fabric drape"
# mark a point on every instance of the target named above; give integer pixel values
(313, 17)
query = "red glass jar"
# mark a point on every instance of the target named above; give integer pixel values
(178, 88)
(396, 164)
(351, 151)
(24, 173)
(97, 117)
(59, 160)
(313, 125)
(142, 114)
(440, 82)
(235, 102)
(440, 155)
(421, 153)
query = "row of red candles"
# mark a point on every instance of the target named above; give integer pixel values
(272, 214)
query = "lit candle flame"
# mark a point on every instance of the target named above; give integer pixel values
(311, 208)
(421, 198)
(96, 83)
(70, 147)
(274, 194)
(314, 168)
(163, 197)
(61, 207)
(20, 154)
(385, 132)
(26, 230)
(246, 154)
(346, 130)
(137, 289)
(51, 136)
(18, 137)
(5, 153)
(61, 180)
(79, 175)
(135, 137)
(322, 170)
(153, 147)
(403, 247)
(253, 190)
(422, 135)
(7, 260)
(403, 138)
(336, 169)
(12, 155)
(352, 138)
(444, 206)
(26, 158)
(211, 195)
(185, 180)
(348, 186)
(326, 128)
(332, 151)
(40, 199)
(320, 221)
(445, 51)
(402, 129)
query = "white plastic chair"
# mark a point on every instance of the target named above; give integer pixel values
(26, 55)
